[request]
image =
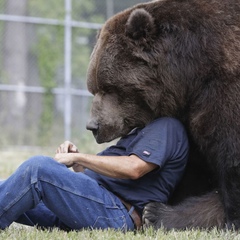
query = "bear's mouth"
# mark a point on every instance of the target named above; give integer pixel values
(102, 137)
(98, 137)
(95, 134)
(93, 126)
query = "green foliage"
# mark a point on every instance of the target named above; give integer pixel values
(49, 50)
(47, 8)
(49, 55)
(82, 46)
(82, 38)
(89, 11)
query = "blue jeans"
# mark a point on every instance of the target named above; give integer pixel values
(46, 193)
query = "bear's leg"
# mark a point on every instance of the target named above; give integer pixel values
(195, 212)
(230, 192)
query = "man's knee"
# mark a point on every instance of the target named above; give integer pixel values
(38, 162)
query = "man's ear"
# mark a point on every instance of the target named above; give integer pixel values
(140, 25)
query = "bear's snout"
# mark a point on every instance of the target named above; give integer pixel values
(92, 125)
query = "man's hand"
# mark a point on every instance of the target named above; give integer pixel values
(65, 155)
(65, 158)
(67, 147)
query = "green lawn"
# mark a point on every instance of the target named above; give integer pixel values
(11, 159)
(18, 232)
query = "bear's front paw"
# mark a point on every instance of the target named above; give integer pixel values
(152, 214)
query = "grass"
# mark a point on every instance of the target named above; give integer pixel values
(10, 160)
(20, 232)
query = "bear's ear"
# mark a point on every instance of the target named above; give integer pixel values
(140, 24)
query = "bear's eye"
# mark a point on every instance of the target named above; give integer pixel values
(141, 62)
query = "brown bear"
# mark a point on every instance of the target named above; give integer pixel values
(177, 58)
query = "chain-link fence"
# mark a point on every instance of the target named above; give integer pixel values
(45, 48)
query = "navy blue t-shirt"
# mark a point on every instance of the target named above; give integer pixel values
(163, 142)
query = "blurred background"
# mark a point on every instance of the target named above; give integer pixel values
(44, 53)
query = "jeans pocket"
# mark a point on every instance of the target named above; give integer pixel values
(115, 222)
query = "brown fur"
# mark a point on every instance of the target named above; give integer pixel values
(178, 58)
(205, 212)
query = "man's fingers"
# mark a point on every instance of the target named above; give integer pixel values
(59, 149)
(63, 148)
(66, 147)
(73, 149)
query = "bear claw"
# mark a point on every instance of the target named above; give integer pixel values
(152, 214)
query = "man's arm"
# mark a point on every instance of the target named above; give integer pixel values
(123, 167)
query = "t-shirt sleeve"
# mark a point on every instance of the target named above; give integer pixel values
(161, 140)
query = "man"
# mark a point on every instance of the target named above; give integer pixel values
(108, 190)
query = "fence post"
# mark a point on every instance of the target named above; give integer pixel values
(67, 69)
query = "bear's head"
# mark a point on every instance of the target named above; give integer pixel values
(139, 70)
(119, 79)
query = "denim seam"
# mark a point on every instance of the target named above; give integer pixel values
(75, 192)
(6, 208)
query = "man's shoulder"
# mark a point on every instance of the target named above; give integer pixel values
(164, 122)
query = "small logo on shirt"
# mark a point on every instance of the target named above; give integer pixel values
(146, 153)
